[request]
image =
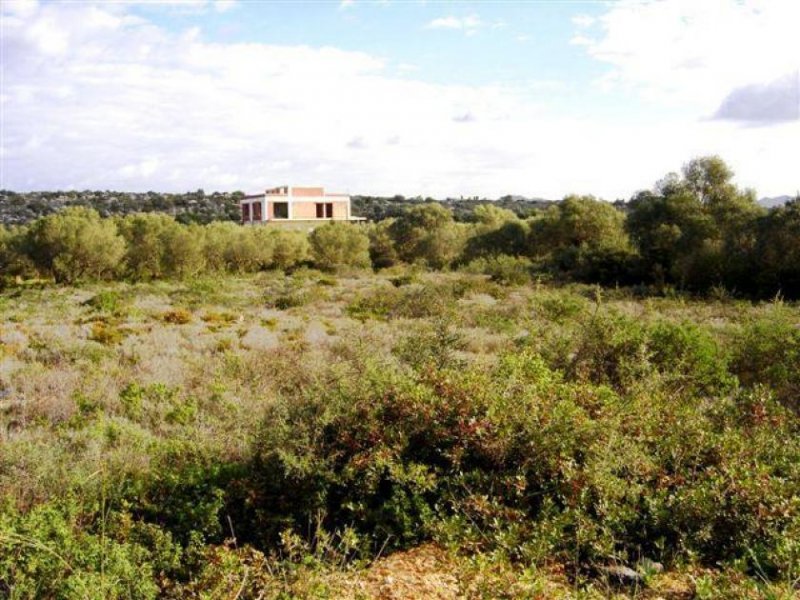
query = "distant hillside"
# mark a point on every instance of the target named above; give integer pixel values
(377, 208)
(16, 208)
(775, 201)
(198, 207)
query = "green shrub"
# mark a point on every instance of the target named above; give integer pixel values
(410, 301)
(382, 252)
(146, 244)
(105, 333)
(504, 269)
(61, 551)
(427, 234)
(75, 244)
(339, 245)
(14, 258)
(514, 459)
(108, 302)
(767, 351)
(183, 250)
(608, 349)
(291, 248)
(690, 357)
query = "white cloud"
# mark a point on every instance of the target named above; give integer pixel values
(120, 103)
(583, 21)
(686, 52)
(581, 40)
(469, 24)
(345, 4)
(445, 23)
(19, 8)
(225, 5)
(143, 169)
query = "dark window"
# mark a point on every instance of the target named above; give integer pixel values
(245, 212)
(329, 210)
(320, 211)
(256, 211)
(280, 210)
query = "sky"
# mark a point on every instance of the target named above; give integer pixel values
(414, 97)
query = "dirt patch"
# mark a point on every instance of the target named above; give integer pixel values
(422, 572)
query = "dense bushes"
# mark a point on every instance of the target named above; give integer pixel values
(695, 232)
(339, 245)
(520, 460)
(74, 244)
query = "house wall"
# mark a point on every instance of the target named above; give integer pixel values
(303, 204)
(304, 210)
(307, 191)
(308, 209)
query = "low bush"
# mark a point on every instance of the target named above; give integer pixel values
(409, 301)
(504, 269)
(767, 351)
(518, 460)
(64, 550)
(75, 244)
(177, 316)
(338, 245)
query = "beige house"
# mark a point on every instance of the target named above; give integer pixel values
(296, 204)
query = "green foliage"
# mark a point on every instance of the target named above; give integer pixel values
(699, 230)
(767, 351)
(539, 430)
(584, 238)
(337, 245)
(518, 460)
(146, 240)
(427, 233)
(75, 244)
(381, 246)
(184, 251)
(508, 270)
(690, 357)
(109, 302)
(61, 551)
(694, 231)
(777, 253)
(291, 248)
(13, 257)
(410, 301)
(497, 231)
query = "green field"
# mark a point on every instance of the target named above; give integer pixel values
(271, 435)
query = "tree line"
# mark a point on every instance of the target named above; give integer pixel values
(694, 231)
(187, 207)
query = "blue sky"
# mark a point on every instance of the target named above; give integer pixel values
(429, 98)
(495, 42)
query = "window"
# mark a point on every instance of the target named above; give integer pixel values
(280, 210)
(256, 211)
(245, 212)
(325, 210)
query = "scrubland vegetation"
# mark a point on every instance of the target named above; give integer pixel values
(693, 233)
(218, 411)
